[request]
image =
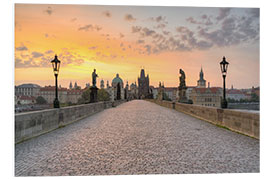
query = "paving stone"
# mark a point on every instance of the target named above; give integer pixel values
(137, 137)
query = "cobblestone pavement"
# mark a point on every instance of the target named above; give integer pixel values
(137, 137)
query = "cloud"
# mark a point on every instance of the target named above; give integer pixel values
(147, 32)
(121, 35)
(230, 30)
(19, 63)
(49, 52)
(113, 56)
(204, 21)
(92, 47)
(49, 10)
(39, 59)
(21, 48)
(36, 54)
(139, 41)
(78, 61)
(148, 48)
(166, 32)
(107, 14)
(73, 19)
(159, 19)
(89, 27)
(135, 29)
(129, 17)
(160, 26)
(223, 13)
(204, 16)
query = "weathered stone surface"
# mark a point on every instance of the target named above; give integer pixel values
(137, 137)
(31, 124)
(245, 122)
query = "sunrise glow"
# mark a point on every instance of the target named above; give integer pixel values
(124, 39)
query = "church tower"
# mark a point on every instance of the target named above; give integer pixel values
(201, 83)
(143, 85)
(70, 85)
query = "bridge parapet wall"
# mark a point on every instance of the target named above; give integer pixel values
(32, 124)
(244, 122)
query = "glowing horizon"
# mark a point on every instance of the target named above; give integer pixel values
(123, 39)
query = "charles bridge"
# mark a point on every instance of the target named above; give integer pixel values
(136, 137)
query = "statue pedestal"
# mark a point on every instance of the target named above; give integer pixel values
(93, 94)
(182, 95)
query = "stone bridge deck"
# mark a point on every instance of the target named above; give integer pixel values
(137, 137)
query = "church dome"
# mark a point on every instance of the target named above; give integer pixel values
(117, 80)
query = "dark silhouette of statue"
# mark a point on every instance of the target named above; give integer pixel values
(182, 87)
(182, 79)
(94, 78)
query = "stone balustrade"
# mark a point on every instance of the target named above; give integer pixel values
(241, 121)
(32, 124)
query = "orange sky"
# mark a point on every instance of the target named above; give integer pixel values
(115, 39)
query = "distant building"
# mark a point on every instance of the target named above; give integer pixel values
(70, 85)
(26, 100)
(48, 93)
(73, 95)
(201, 83)
(118, 86)
(154, 92)
(143, 85)
(207, 96)
(27, 90)
(189, 91)
(133, 91)
(171, 92)
(64, 95)
(127, 92)
(256, 91)
(110, 90)
(235, 94)
(102, 84)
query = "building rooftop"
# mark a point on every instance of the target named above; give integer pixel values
(31, 98)
(28, 86)
(207, 90)
(117, 79)
(234, 91)
(52, 88)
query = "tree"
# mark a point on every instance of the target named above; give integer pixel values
(254, 97)
(165, 97)
(41, 100)
(85, 97)
(103, 95)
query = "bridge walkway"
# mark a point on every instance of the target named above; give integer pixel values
(137, 137)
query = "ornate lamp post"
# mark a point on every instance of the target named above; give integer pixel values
(56, 66)
(224, 66)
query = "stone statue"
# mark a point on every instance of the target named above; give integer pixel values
(182, 79)
(182, 87)
(94, 78)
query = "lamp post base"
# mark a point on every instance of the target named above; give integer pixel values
(224, 104)
(56, 103)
